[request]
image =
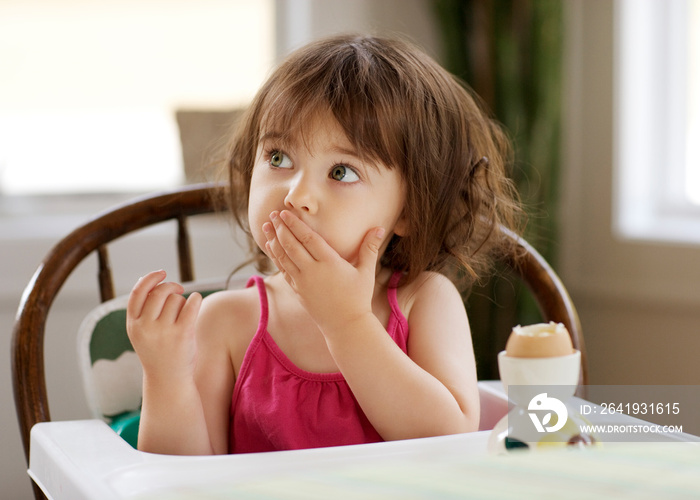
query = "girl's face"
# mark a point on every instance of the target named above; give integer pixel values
(324, 183)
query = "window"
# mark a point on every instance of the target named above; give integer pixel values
(657, 114)
(693, 144)
(89, 90)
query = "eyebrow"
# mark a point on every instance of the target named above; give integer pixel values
(272, 136)
(345, 151)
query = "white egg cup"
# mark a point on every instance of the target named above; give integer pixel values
(560, 371)
(556, 370)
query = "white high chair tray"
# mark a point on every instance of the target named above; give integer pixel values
(86, 460)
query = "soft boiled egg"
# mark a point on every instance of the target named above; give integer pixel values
(542, 340)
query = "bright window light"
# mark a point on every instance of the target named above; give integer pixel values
(657, 98)
(693, 135)
(89, 90)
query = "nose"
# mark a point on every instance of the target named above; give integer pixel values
(302, 195)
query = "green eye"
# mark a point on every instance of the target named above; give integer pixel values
(338, 172)
(276, 159)
(342, 173)
(280, 160)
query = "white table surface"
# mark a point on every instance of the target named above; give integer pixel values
(85, 459)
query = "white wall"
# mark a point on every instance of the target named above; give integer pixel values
(299, 21)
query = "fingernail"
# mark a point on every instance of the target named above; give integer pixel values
(380, 232)
(267, 228)
(274, 215)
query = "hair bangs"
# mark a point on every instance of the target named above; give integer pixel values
(346, 82)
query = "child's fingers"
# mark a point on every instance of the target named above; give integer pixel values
(280, 259)
(278, 253)
(172, 306)
(286, 245)
(190, 310)
(178, 308)
(139, 294)
(305, 238)
(288, 276)
(157, 297)
(369, 251)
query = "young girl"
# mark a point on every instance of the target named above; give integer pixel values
(366, 174)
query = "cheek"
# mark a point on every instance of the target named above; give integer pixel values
(256, 222)
(258, 213)
(346, 238)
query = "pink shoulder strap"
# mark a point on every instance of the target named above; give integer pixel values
(392, 287)
(262, 294)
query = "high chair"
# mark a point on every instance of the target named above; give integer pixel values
(105, 353)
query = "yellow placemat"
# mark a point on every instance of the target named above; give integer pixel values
(644, 470)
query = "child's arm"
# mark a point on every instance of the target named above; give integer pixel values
(161, 326)
(433, 391)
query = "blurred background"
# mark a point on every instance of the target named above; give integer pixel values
(104, 100)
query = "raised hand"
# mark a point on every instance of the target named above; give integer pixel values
(160, 324)
(331, 289)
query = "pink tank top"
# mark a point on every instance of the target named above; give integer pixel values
(278, 406)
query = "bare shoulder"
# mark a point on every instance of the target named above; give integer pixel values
(230, 305)
(229, 319)
(429, 290)
(436, 316)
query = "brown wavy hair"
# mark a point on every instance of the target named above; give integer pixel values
(399, 107)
